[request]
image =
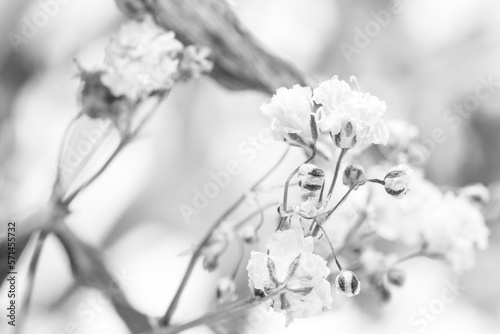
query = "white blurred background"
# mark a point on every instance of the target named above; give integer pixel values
(431, 55)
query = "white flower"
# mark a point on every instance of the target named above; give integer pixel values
(352, 116)
(141, 59)
(290, 111)
(195, 61)
(397, 181)
(455, 229)
(347, 284)
(448, 225)
(291, 275)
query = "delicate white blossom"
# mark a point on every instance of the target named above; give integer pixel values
(195, 61)
(291, 275)
(455, 229)
(290, 111)
(141, 59)
(353, 117)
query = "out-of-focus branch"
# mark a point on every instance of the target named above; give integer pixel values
(241, 62)
(89, 270)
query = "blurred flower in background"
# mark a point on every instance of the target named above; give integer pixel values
(434, 63)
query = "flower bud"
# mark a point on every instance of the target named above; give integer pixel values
(476, 193)
(311, 179)
(226, 290)
(396, 277)
(353, 174)
(346, 283)
(249, 234)
(214, 248)
(397, 181)
(346, 138)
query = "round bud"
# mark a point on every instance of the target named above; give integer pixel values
(347, 284)
(226, 290)
(476, 193)
(397, 181)
(353, 174)
(346, 138)
(249, 234)
(311, 179)
(396, 277)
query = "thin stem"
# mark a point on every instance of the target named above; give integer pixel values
(331, 246)
(67, 201)
(165, 320)
(61, 151)
(241, 253)
(287, 183)
(251, 215)
(126, 139)
(31, 277)
(336, 173)
(212, 318)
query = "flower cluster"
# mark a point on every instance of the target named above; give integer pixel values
(143, 59)
(353, 118)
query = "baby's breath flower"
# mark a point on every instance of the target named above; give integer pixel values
(194, 62)
(454, 229)
(351, 116)
(291, 275)
(347, 284)
(141, 59)
(397, 181)
(290, 111)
